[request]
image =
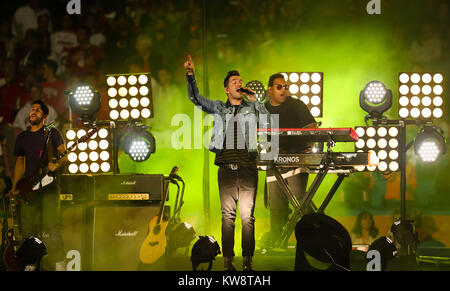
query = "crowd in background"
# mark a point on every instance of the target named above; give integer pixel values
(44, 51)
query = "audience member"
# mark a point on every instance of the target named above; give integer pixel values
(364, 231)
(53, 89)
(22, 120)
(12, 93)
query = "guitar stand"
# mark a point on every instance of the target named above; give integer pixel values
(301, 208)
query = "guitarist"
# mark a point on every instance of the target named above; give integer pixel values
(41, 218)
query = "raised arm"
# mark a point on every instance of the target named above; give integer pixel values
(205, 104)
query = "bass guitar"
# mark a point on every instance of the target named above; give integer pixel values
(154, 245)
(28, 186)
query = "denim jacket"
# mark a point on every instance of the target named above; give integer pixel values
(252, 114)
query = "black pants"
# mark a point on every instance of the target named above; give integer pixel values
(278, 203)
(41, 219)
(238, 186)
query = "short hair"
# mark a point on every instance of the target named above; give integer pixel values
(43, 106)
(273, 77)
(229, 75)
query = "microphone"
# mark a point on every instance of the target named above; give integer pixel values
(47, 127)
(244, 90)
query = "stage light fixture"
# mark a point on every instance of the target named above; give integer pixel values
(420, 96)
(85, 101)
(375, 99)
(129, 96)
(386, 248)
(205, 250)
(138, 144)
(308, 87)
(383, 142)
(93, 156)
(429, 144)
(260, 90)
(179, 235)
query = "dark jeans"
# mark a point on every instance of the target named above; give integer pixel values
(278, 203)
(42, 219)
(238, 186)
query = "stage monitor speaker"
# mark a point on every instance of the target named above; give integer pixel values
(119, 231)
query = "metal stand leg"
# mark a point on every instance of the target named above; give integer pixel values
(302, 207)
(331, 193)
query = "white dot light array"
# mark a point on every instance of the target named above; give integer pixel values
(382, 141)
(308, 87)
(420, 95)
(93, 156)
(258, 88)
(139, 150)
(375, 92)
(129, 96)
(83, 95)
(429, 151)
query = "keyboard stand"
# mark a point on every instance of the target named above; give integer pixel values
(301, 207)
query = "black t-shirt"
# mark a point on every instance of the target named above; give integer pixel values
(29, 145)
(293, 113)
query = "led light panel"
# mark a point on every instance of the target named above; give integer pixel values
(93, 156)
(307, 87)
(421, 96)
(129, 96)
(382, 141)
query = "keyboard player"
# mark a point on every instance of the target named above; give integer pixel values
(292, 113)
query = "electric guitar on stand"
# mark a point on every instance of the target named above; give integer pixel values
(28, 186)
(154, 245)
(14, 239)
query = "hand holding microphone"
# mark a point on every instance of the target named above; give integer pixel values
(250, 94)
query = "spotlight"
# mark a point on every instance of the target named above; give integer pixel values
(85, 101)
(204, 250)
(308, 87)
(179, 235)
(386, 248)
(322, 244)
(139, 144)
(429, 144)
(259, 89)
(30, 253)
(375, 99)
(93, 156)
(421, 96)
(383, 142)
(129, 96)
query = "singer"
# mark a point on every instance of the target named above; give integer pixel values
(235, 157)
(42, 217)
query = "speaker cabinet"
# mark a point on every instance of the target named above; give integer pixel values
(118, 233)
(74, 228)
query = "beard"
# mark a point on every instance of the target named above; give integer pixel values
(36, 121)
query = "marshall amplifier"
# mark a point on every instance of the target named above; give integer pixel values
(123, 187)
(119, 233)
(76, 188)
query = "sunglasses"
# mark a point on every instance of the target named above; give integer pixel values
(279, 86)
